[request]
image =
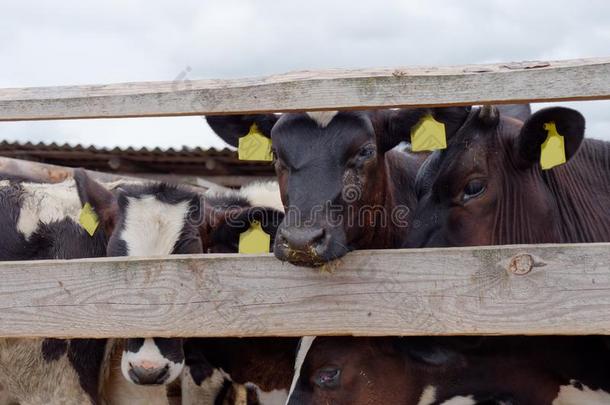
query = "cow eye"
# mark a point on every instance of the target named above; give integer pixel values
(473, 189)
(327, 377)
(367, 151)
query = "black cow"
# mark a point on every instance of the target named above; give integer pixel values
(343, 185)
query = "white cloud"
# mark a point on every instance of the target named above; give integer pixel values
(74, 42)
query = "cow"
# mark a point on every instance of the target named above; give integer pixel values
(40, 221)
(488, 187)
(343, 185)
(262, 365)
(452, 371)
(181, 224)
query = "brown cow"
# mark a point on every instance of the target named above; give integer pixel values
(452, 371)
(488, 188)
(343, 185)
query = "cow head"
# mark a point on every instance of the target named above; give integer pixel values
(410, 371)
(226, 218)
(331, 168)
(487, 187)
(354, 371)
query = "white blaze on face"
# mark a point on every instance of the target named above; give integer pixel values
(47, 203)
(322, 118)
(304, 347)
(573, 395)
(149, 356)
(428, 396)
(152, 227)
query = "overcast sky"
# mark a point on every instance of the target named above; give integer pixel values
(44, 43)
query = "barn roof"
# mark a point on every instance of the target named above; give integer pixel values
(184, 161)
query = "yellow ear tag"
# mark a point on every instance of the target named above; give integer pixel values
(255, 146)
(254, 240)
(553, 152)
(88, 219)
(428, 134)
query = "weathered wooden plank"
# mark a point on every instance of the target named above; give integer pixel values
(581, 79)
(392, 292)
(47, 173)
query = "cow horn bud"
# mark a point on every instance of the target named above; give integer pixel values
(489, 114)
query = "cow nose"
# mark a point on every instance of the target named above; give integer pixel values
(303, 239)
(149, 376)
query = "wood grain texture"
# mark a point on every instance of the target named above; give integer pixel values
(392, 292)
(581, 79)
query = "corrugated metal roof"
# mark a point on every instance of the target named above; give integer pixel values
(40, 146)
(193, 161)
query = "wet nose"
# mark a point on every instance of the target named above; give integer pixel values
(149, 375)
(304, 239)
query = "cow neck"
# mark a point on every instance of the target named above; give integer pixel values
(581, 189)
(375, 235)
(576, 194)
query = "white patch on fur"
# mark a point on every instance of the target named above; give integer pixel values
(29, 379)
(304, 347)
(258, 194)
(469, 400)
(570, 395)
(150, 356)
(152, 227)
(263, 194)
(205, 393)
(275, 397)
(47, 203)
(322, 118)
(428, 396)
(4, 183)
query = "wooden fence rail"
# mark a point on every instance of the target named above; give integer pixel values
(536, 289)
(528, 289)
(582, 79)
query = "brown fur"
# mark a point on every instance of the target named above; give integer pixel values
(492, 371)
(520, 202)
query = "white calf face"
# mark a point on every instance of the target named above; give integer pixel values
(152, 361)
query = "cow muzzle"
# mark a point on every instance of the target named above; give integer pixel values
(308, 246)
(148, 365)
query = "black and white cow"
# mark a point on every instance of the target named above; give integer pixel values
(39, 221)
(175, 222)
(264, 365)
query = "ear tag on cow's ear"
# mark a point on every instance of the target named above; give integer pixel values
(88, 219)
(428, 134)
(553, 152)
(254, 240)
(255, 146)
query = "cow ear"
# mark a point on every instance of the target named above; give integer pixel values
(519, 111)
(569, 123)
(397, 124)
(223, 226)
(103, 202)
(452, 117)
(232, 127)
